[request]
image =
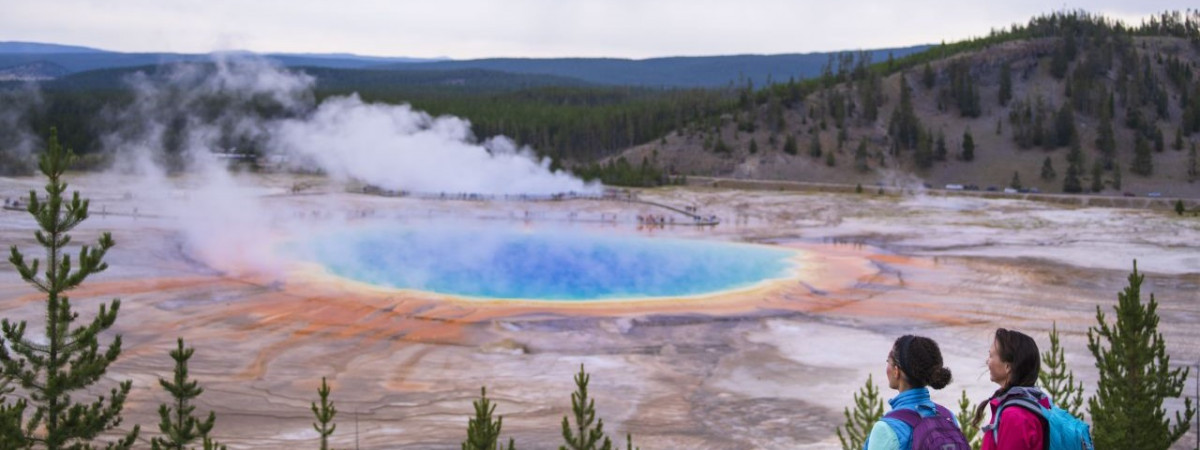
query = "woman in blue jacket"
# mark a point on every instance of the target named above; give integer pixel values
(913, 365)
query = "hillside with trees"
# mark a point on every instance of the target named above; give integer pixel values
(1070, 102)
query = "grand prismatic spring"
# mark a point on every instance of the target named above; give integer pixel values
(765, 326)
(534, 264)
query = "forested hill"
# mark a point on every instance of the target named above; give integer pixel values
(687, 72)
(1070, 102)
(463, 81)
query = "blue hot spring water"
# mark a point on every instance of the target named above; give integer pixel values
(542, 265)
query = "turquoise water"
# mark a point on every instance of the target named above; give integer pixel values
(543, 265)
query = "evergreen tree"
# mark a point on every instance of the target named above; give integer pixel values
(753, 146)
(1005, 84)
(1117, 177)
(868, 409)
(11, 414)
(324, 414)
(968, 146)
(1064, 125)
(860, 156)
(923, 155)
(928, 77)
(1058, 63)
(585, 436)
(1178, 144)
(1057, 380)
(904, 126)
(814, 146)
(1179, 208)
(830, 160)
(66, 360)
(178, 426)
(1106, 140)
(789, 145)
(721, 146)
(1193, 166)
(1071, 182)
(1015, 183)
(1159, 145)
(970, 430)
(1097, 176)
(1048, 172)
(1143, 164)
(482, 432)
(870, 93)
(1135, 377)
(940, 151)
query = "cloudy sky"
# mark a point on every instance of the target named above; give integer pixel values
(464, 29)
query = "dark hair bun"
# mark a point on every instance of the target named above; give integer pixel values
(939, 378)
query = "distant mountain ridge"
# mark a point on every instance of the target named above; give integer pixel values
(677, 71)
(671, 72)
(41, 48)
(75, 59)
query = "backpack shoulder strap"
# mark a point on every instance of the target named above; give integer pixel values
(943, 412)
(910, 417)
(1025, 402)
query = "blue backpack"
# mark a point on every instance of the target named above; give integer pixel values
(1062, 430)
(936, 432)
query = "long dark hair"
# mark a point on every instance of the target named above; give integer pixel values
(920, 360)
(1021, 353)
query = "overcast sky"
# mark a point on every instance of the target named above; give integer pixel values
(463, 29)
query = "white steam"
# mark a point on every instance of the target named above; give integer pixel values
(183, 117)
(398, 148)
(17, 143)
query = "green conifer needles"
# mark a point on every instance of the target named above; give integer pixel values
(178, 427)
(1135, 377)
(868, 408)
(56, 370)
(324, 414)
(584, 436)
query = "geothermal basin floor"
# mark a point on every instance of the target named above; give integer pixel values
(770, 367)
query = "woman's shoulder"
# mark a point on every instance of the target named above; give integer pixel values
(1017, 413)
(882, 437)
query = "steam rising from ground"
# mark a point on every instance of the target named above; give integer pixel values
(398, 148)
(187, 119)
(182, 115)
(16, 141)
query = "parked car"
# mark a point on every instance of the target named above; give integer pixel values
(1129, 194)
(1154, 194)
(1035, 191)
(992, 189)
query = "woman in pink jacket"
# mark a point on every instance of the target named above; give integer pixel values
(1013, 363)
